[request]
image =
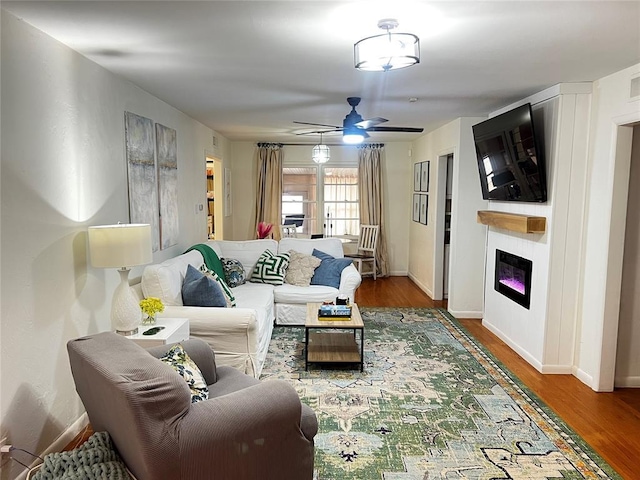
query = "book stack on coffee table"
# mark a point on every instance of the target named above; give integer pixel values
(334, 312)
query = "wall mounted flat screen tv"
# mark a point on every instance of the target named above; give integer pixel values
(511, 157)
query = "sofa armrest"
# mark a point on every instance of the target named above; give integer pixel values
(350, 280)
(232, 333)
(255, 433)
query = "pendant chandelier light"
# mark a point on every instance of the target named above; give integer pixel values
(320, 153)
(388, 51)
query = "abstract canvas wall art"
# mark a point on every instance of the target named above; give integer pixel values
(167, 154)
(141, 171)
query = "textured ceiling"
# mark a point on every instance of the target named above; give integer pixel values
(248, 69)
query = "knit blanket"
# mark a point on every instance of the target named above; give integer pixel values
(95, 459)
(210, 257)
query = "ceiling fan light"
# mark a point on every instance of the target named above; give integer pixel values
(320, 154)
(388, 51)
(353, 136)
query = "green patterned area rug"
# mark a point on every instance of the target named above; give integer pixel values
(430, 404)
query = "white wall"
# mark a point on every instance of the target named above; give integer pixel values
(467, 237)
(63, 169)
(396, 174)
(609, 160)
(422, 238)
(545, 333)
(628, 354)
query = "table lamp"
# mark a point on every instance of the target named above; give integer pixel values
(122, 246)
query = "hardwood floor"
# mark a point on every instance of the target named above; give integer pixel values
(609, 422)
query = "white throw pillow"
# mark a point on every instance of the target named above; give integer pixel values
(301, 268)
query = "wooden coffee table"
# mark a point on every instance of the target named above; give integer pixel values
(333, 346)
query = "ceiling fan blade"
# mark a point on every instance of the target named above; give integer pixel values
(317, 124)
(336, 130)
(396, 129)
(370, 122)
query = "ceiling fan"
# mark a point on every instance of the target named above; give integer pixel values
(354, 129)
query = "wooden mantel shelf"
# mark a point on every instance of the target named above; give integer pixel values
(513, 221)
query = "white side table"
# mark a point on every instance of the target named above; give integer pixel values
(175, 330)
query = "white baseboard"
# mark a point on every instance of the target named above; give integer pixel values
(583, 376)
(627, 382)
(557, 369)
(520, 351)
(465, 314)
(421, 286)
(61, 442)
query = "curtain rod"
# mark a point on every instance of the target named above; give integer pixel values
(263, 144)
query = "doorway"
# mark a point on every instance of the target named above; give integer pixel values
(627, 373)
(215, 198)
(444, 202)
(448, 198)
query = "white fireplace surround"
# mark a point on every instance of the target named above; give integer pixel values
(545, 334)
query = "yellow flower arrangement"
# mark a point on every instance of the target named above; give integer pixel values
(150, 306)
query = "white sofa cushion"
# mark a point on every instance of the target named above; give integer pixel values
(164, 280)
(313, 293)
(331, 245)
(260, 297)
(247, 252)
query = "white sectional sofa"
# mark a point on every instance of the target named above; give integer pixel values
(240, 336)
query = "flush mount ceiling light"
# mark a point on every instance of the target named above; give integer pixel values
(320, 153)
(388, 51)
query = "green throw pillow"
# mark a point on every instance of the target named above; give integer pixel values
(187, 368)
(270, 268)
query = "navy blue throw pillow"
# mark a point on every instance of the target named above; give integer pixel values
(199, 290)
(330, 269)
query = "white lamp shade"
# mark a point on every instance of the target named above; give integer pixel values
(389, 51)
(119, 246)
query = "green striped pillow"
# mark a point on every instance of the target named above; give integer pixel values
(228, 294)
(270, 268)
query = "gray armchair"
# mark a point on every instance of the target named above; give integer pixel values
(247, 429)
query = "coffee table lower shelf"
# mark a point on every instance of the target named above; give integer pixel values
(334, 347)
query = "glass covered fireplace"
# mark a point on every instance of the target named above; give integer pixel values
(513, 277)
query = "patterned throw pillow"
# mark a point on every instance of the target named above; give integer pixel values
(198, 290)
(270, 268)
(187, 368)
(229, 297)
(233, 272)
(301, 269)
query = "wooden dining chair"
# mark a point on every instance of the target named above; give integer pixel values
(366, 253)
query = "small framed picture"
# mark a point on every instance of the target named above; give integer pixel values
(424, 176)
(424, 208)
(416, 177)
(416, 207)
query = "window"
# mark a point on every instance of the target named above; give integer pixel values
(299, 198)
(323, 199)
(341, 201)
